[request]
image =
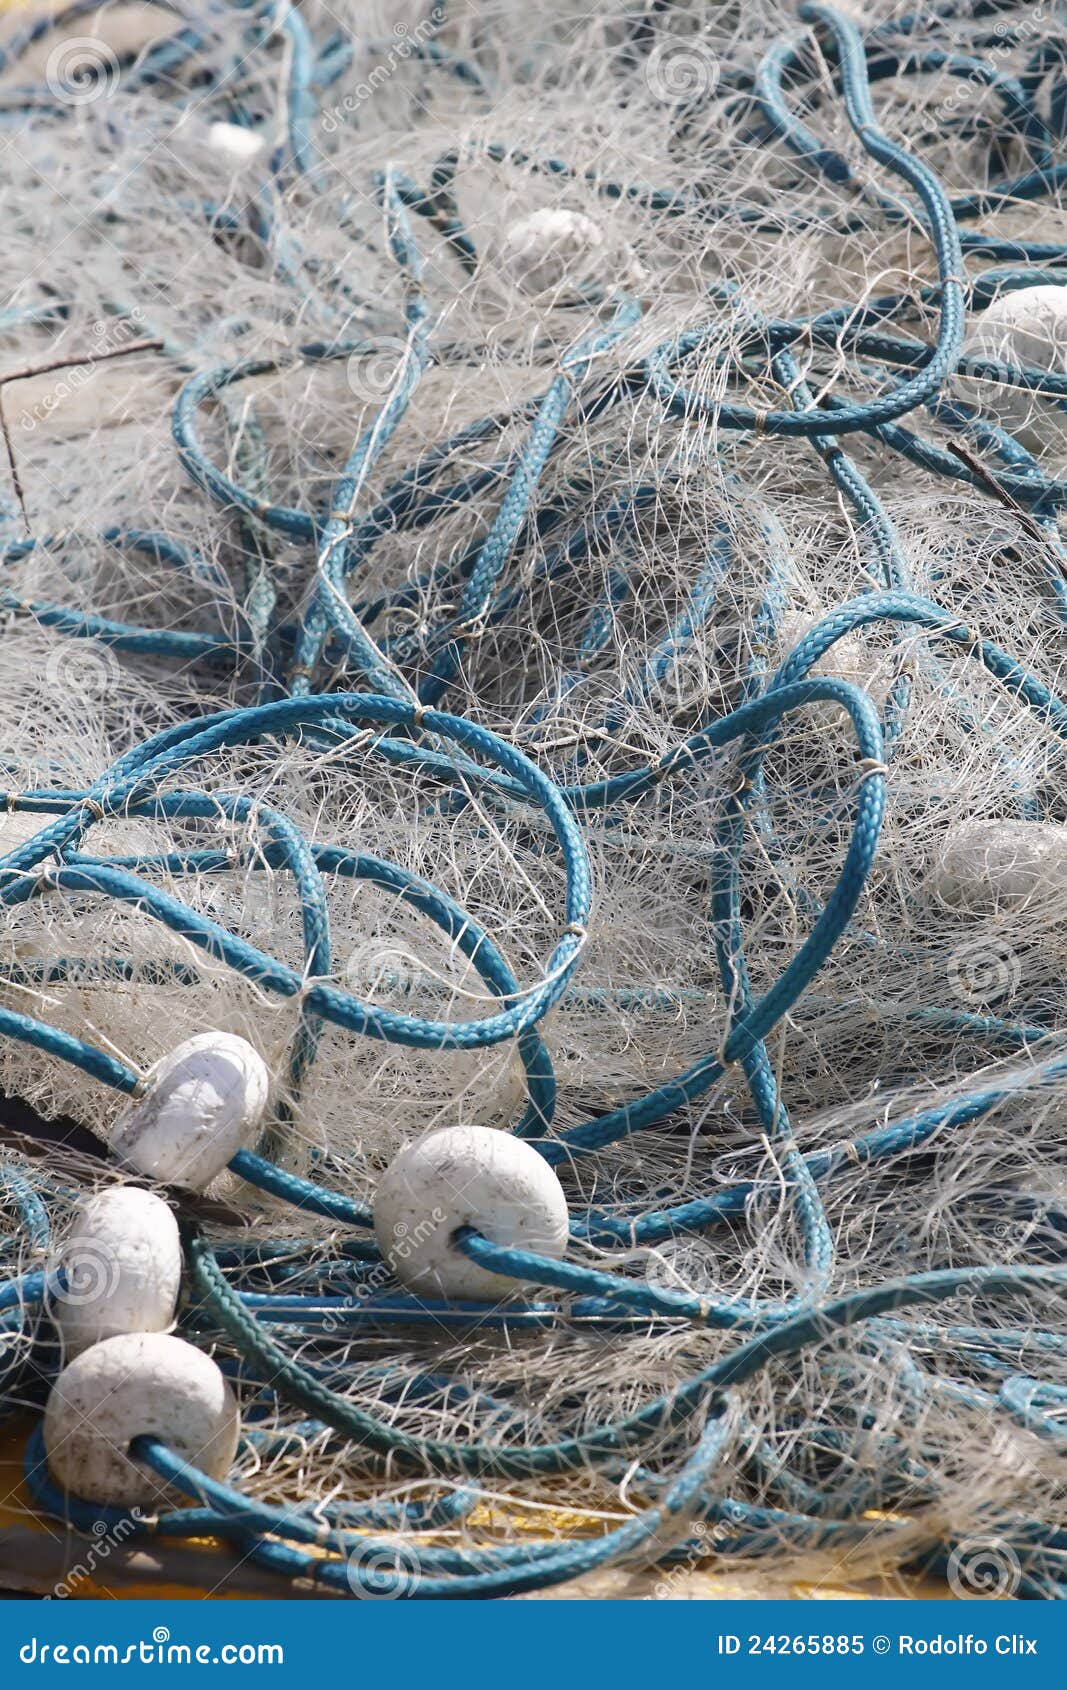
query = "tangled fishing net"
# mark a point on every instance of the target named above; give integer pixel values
(535, 598)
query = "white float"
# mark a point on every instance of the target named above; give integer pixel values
(986, 865)
(142, 1384)
(121, 1268)
(1028, 330)
(466, 1177)
(553, 250)
(848, 659)
(232, 143)
(235, 143)
(205, 1102)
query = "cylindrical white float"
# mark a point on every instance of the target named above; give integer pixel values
(466, 1177)
(206, 1101)
(235, 143)
(143, 1384)
(984, 865)
(232, 143)
(121, 1269)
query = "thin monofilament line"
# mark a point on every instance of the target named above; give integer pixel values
(362, 460)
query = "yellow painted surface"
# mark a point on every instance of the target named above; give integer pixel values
(36, 1555)
(17, 1515)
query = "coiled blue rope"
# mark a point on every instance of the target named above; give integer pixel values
(397, 725)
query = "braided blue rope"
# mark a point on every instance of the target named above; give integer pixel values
(473, 594)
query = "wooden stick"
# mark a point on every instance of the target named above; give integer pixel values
(992, 485)
(30, 370)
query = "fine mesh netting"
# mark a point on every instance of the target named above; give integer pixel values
(534, 595)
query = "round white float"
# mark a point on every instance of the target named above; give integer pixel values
(466, 1176)
(552, 250)
(140, 1384)
(1031, 324)
(121, 1267)
(987, 865)
(1027, 329)
(205, 1102)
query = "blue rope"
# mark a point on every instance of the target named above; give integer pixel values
(883, 374)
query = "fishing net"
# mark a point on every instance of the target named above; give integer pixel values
(534, 596)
